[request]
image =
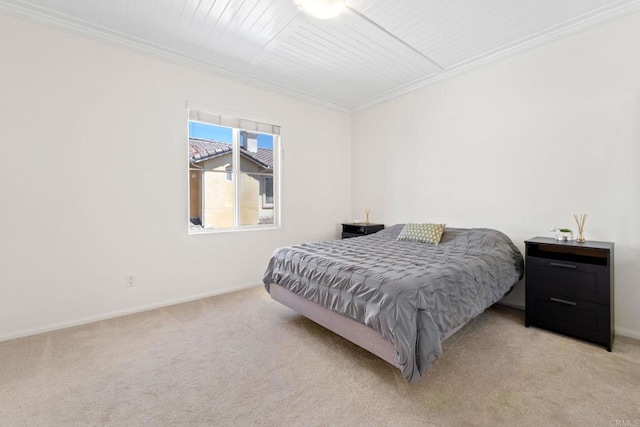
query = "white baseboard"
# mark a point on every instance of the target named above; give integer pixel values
(623, 332)
(104, 316)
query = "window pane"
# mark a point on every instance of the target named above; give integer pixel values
(256, 183)
(210, 176)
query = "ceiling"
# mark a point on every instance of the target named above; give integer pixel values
(375, 50)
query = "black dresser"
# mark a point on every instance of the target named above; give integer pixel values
(355, 229)
(569, 288)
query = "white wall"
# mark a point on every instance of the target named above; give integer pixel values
(93, 182)
(519, 145)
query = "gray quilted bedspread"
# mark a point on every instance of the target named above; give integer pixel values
(411, 293)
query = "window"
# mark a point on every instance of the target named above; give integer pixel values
(233, 173)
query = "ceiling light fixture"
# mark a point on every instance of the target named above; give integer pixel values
(322, 9)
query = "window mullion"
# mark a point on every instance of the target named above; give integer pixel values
(276, 178)
(236, 177)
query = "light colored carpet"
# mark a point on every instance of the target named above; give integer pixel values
(243, 359)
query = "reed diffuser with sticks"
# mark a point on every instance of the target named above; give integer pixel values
(580, 220)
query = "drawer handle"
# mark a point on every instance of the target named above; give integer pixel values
(557, 264)
(563, 301)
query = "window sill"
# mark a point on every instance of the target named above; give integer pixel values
(232, 230)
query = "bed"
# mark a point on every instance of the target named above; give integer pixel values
(397, 299)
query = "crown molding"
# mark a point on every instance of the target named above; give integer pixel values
(557, 32)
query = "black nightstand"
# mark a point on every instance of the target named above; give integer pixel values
(356, 229)
(569, 288)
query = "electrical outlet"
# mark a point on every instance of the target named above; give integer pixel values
(130, 280)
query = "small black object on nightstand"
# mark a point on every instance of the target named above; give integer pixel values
(356, 229)
(569, 288)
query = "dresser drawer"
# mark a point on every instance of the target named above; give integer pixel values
(577, 318)
(573, 280)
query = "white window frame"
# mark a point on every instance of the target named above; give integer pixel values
(241, 124)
